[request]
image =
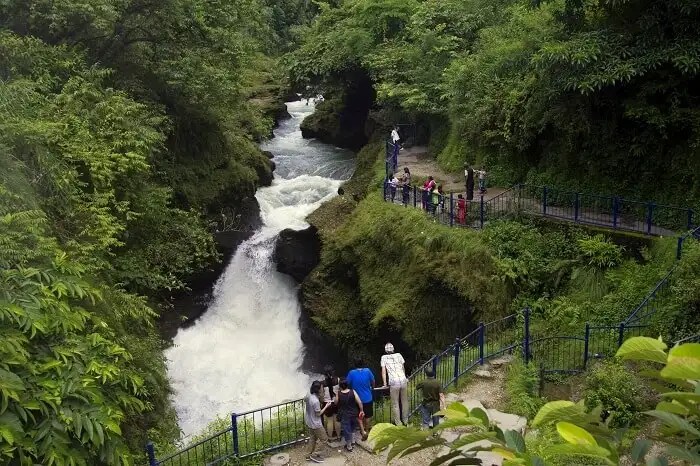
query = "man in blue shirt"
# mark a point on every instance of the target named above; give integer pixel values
(361, 379)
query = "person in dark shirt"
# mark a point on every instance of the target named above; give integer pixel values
(433, 399)
(349, 410)
(330, 388)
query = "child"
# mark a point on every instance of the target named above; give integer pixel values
(433, 399)
(461, 209)
(349, 409)
(392, 186)
(435, 201)
(482, 181)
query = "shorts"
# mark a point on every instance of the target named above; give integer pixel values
(331, 411)
(368, 408)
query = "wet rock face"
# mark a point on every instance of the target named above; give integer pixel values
(297, 252)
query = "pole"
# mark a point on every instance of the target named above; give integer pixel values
(481, 213)
(435, 364)
(234, 434)
(650, 216)
(576, 206)
(415, 195)
(151, 452)
(482, 331)
(458, 343)
(679, 248)
(452, 209)
(616, 207)
(690, 219)
(585, 345)
(526, 337)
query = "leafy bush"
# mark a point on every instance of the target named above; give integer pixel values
(617, 390)
(522, 386)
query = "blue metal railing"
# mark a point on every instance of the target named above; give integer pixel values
(612, 212)
(273, 427)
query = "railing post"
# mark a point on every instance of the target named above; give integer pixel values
(435, 365)
(577, 202)
(585, 345)
(151, 452)
(457, 345)
(616, 207)
(452, 209)
(234, 434)
(481, 213)
(526, 336)
(679, 248)
(482, 332)
(415, 195)
(650, 216)
(690, 219)
(544, 201)
(621, 334)
(385, 188)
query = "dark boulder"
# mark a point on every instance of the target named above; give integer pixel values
(297, 252)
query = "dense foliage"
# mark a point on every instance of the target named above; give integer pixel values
(581, 436)
(126, 129)
(591, 94)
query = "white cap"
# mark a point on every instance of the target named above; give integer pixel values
(389, 348)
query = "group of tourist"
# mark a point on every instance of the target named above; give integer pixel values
(432, 194)
(337, 407)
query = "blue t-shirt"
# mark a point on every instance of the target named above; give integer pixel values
(361, 380)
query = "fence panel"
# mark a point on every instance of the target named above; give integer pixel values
(502, 336)
(207, 451)
(564, 354)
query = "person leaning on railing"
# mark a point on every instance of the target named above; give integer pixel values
(406, 185)
(393, 367)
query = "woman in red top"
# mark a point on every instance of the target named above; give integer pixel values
(461, 209)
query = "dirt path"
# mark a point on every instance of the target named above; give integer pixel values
(489, 389)
(421, 164)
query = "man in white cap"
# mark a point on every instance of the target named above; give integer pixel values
(392, 365)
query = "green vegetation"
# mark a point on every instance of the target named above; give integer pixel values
(588, 94)
(612, 386)
(582, 437)
(126, 130)
(522, 388)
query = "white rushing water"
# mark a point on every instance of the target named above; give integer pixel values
(245, 352)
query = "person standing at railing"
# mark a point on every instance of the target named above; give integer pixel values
(350, 410)
(469, 180)
(396, 137)
(482, 181)
(361, 380)
(461, 209)
(330, 388)
(393, 368)
(427, 189)
(406, 185)
(433, 399)
(393, 183)
(314, 412)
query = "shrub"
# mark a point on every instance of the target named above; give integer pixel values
(522, 383)
(616, 389)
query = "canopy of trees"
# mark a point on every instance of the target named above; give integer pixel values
(124, 126)
(595, 94)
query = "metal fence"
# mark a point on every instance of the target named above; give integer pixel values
(612, 212)
(266, 429)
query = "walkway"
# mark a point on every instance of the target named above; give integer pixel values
(486, 391)
(612, 212)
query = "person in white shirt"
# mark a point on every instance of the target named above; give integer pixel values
(395, 137)
(393, 367)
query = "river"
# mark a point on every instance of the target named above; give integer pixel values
(246, 351)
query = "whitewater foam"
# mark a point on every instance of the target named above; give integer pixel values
(246, 350)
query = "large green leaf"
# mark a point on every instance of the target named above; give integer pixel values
(692, 457)
(555, 411)
(683, 362)
(466, 439)
(640, 449)
(408, 438)
(674, 421)
(575, 434)
(515, 441)
(643, 349)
